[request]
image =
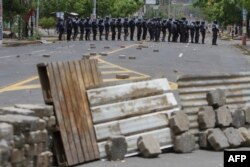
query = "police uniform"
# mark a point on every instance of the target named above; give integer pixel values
(69, 27)
(87, 26)
(101, 28)
(203, 32)
(139, 29)
(119, 28)
(215, 30)
(94, 29)
(132, 28)
(125, 27)
(81, 26)
(113, 29)
(107, 28)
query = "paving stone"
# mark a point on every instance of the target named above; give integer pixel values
(156, 50)
(179, 122)
(122, 76)
(19, 140)
(203, 142)
(123, 46)
(40, 110)
(6, 131)
(104, 54)
(106, 47)
(233, 137)
(122, 56)
(17, 156)
(51, 122)
(217, 139)
(245, 136)
(223, 117)
(4, 155)
(116, 148)
(216, 98)
(132, 57)
(184, 143)
(239, 118)
(247, 115)
(149, 146)
(206, 118)
(93, 54)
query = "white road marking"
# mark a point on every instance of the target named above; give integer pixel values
(180, 55)
(8, 56)
(37, 51)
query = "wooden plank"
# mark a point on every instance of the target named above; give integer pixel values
(132, 125)
(129, 91)
(163, 136)
(81, 123)
(98, 72)
(131, 108)
(59, 116)
(71, 108)
(85, 113)
(44, 80)
(88, 74)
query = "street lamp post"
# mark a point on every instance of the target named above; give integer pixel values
(1, 22)
(244, 25)
(169, 9)
(94, 9)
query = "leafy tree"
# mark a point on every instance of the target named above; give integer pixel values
(47, 23)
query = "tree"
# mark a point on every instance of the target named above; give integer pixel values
(47, 23)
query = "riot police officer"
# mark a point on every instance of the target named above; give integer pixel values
(174, 31)
(164, 30)
(94, 29)
(87, 26)
(132, 28)
(186, 26)
(125, 27)
(81, 26)
(144, 29)
(101, 28)
(192, 31)
(151, 27)
(139, 29)
(215, 30)
(203, 31)
(113, 29)
(182, 30)
(119, 28)
(107, 27)
(60, 28)
(69, 27)
(197, 31)
(169, 26)
(157, 30)
(75, 27)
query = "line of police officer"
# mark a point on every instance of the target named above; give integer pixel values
(178, 30)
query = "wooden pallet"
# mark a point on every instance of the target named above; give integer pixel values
(64, 85)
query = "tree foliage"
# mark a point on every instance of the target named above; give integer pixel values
(225, 11)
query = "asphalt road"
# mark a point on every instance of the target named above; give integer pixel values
(19, 82)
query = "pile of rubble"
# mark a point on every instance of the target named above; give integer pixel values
(222, 127)
(25, 135)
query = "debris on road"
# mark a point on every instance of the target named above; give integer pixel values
(149, 147)
(122, 76)
(116, 148)
(122, 56)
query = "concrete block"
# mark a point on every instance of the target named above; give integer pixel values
(148, 146)
(122, 76)
(41, 125)
(206, 118)
(106, 47)
(43, 159)
(4, 155)
(156, 50)
(51, 122)
(123, 46)
(40, 110)
(179, 122)
(6, 131)
(247, 115)
(34, 149)
(17, 156)
(245, 136)
(132, 57)
(233, 137)
(217, 139)
(93, 54)
(184, 143)
(122, 56)
(104, 54)
(116, 148)
(239, 118)
(16, 111)
(216, 98)
(223, 117)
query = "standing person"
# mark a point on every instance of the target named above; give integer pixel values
(81, 26)
(186, 31)
(197, 31)
(87, 26)
(182, 30)
(144, 29)
(139, 29)
(203, 31)
(69, 27)
(94, 29)
(107, 27)
(132, 28)
(174, 31)
(75, 27)
(151, 29)
(169, 26)
(119, 28)
(113, 29)
(101, 28)
(164, 30)
(215, 30)
(192, 31)
(60, 28)
(125, 27)
(157, 30)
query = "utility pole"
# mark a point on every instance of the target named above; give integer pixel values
(1, 22)
(37, 14)
(94, 10)
(169, 8)
(244, 25)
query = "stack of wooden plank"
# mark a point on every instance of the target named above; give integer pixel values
(133, 110)
(64, 85)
